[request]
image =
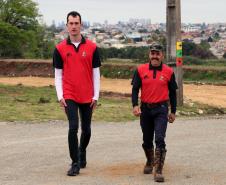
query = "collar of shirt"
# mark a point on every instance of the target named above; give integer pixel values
(82, 41)
(159, 68)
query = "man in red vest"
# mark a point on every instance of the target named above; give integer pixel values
(77, 79)
(158, 88)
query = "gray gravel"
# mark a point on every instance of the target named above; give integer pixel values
(37, 154)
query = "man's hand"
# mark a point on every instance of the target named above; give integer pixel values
(171, 117)
(63, 103)
(136, 110)
(93, 104)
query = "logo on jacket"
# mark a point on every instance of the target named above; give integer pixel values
(146, 76)
(161, 78)
(69, 54)
(83, 54)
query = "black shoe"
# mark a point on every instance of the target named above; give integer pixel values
(82, 159)
(74, 170)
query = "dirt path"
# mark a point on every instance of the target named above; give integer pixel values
(208, 94)
(38, 154)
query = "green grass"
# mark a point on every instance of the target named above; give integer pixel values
(207, 76)
(189, 60)
(26, 103)
(20, 103)
(198, 109)
(120, 61)
(114, 110)
(206, 71)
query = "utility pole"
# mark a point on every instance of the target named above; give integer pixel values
(174, 44)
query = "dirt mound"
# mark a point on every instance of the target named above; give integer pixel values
(10, 67)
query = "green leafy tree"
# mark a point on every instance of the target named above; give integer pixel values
(200, 51)
(216, 36)
(20, 13)
(10, 41)
(204, 44)
(210, 39)
(188, 47)
(21, 35)
(224, 55)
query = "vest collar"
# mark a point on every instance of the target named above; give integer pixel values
(82, 41)
(159, 68)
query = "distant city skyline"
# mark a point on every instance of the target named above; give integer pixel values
(192, 11)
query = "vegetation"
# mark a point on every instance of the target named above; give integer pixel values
(21, 35)
(224, 55)
(19, 103)
(139, 54)
(197, 70)
(118, 71)
(201, 50)
(205, 74)
(190, 60)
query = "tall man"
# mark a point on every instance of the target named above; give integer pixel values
(77, 79)
(158, 86)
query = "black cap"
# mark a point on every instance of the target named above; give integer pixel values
(156, 47)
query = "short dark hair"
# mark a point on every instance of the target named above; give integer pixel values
(74, 14)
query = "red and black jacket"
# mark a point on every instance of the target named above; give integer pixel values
(77, 65)
(157, 84)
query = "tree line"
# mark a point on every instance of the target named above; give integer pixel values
(140, 54)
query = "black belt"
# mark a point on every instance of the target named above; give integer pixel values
(153, 105)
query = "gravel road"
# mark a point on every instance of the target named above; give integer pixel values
(37, 154)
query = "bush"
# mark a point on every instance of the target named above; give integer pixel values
(189, 60)
(224, 55)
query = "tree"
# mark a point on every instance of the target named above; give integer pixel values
(20, 13)
(45, 45)
(21, 35)
(202, 32)
(210, 39)
(224, 55)
(216, 36)
(204, 44)
(200, 51)
(188, 47)
(10, 41)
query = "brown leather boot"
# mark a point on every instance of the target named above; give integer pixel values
(149, 153)
(160, 154)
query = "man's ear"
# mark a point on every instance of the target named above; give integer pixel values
(163, 56)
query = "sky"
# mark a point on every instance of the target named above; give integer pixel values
(192, 11)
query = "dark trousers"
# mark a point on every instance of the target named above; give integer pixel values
(153, 122)
(85, 115)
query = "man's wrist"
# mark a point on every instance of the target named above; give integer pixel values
(173, 110)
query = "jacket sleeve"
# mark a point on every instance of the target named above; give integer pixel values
(57, 59)
(172, 85)
(136, 85)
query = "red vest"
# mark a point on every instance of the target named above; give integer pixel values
(77, 71)
(154, 90)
